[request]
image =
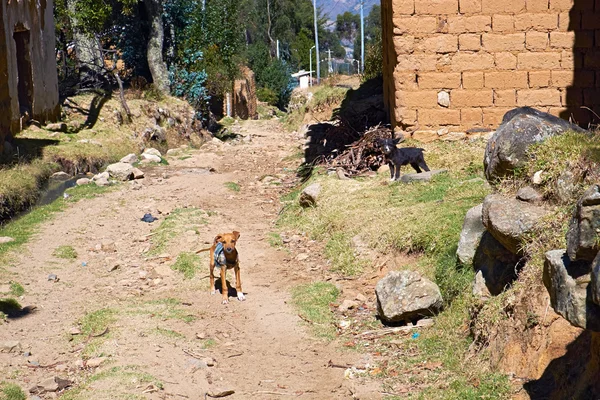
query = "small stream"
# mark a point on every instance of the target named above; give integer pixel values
(55, 189)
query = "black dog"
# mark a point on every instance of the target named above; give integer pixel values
(398, 157)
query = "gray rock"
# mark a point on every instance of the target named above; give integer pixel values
(56, 127)
(6, 239)
(422, 177)
(529, 195)
(384, 169)
(444, 99)
(138, 173)
(538, 178)
(130, 159)
(103, 175)
(53, 278)
(568, 284)
(95, 362)
(173, 152)
(102, 182)
(121, 171)
(480, 289)
(156, 133)
(341, 174)
(498, 266)
(583, 236)
(83, 181)
(309, 196)
(406, 295)
(470, 236)
(596, 280)
(520, 128)
(509, 220)
(10, 346)
(51, 385)
(151, 158)
(347, 305)
(152, 151)
(566, 187)
(60, 176)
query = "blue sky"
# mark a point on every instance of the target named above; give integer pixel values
(335, 7)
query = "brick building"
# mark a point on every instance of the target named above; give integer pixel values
(28, 77)
(456, 65)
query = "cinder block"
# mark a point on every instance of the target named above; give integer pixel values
(505, 6)
(463, 61)
(469, 6)
(538, 22)
(494, 42)
(537, 5)
(505, 98)
(404, 44)
(403, 7)
(470, 117)
(538, 97)
(539, 79)
(405, 80)
(435, 117)
(418, 99)
(444, 43)
(505, 61)
(473, 24)
(503, 23)
(436, 7)
(506, 80)
(536, 41)
(538, 60)
(493, 116)
(471, 98)
(472, 80)
(414, 25)
(469, 42)
(439, 80)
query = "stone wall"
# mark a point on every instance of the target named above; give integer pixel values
(27, 46)
(455, 65)
(244, 96)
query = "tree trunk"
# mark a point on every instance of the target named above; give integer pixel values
(89, 55)
(157, 65)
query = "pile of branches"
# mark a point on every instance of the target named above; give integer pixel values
(362, 155)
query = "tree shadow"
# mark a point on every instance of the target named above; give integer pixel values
(582, 98)
(361, 109)
(93, 112)
(13, 310)
(25, 150)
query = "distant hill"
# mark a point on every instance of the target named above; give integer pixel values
(334, 7)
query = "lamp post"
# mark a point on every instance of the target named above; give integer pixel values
(310, 67)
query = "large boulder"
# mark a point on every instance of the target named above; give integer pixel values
(121, 171)
(596, 280)
(583, 236)
(568, 283)
(470, 236)
(498, 266)
(509, 220)
(520, 128)
(406, 295)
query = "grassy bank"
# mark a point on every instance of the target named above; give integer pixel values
(425, 220)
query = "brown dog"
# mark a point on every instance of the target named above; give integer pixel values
(223, 255)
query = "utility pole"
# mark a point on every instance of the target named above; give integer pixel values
(362, 35)
(278, 49)
(310, 67)
(317, 43)
(330, 66)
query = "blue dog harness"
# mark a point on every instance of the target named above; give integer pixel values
(219, 257)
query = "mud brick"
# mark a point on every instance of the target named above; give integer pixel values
(506, 80)
(505, 98)
(439, 80)
(471, 98)
(472, 80)
(538, 97)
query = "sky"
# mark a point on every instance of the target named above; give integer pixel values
(334, 7)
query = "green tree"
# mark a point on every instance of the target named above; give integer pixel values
(347, 25)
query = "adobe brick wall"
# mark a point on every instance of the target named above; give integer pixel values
(488, 56)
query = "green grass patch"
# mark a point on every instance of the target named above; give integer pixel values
(16, 289)
(183, 158)
(10, 391)
(313, 302)
(65, 252)
(208, 343)
(233, 186)
(94, 326)
(176, 223)
(275, 240)
(187, 264)
(167, 333)
(339, 251)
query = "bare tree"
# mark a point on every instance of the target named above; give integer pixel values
(156, 62)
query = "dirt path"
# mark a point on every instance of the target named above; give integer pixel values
(160, 325)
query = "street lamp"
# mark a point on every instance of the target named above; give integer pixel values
(358, 61)
(310, 68)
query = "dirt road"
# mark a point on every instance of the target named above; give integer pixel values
(156, 330)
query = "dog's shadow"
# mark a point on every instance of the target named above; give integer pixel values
(231, 291)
